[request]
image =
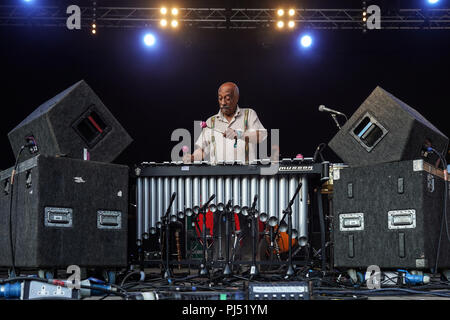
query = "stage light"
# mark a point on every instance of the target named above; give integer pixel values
(163, 10)
(291, 24)
(163, 22)
(306, 41)
(291, 12)
(149, 40)
(94, 27)
(433, 1)
(280, 24)
(174, 23)
(280, 12)
(174, 11)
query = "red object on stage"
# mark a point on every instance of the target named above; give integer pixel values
(210, 223)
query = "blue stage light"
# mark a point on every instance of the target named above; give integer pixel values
(306, 41)
(433, 1)
(149, 40)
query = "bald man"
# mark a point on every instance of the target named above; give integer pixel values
(231, 134)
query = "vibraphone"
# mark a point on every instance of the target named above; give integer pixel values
(195, 183)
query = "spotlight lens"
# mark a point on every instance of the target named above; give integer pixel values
(280, 12)
(433, 1)
(174, 23)
(163, 10)
(306, 41)
(291, 24)
(149, 40)
(174, 11)
(280, 24)
(94, 31)
(291, 12)
(163, 22)
(94, 26)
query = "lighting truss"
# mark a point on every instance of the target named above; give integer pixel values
(220, 18)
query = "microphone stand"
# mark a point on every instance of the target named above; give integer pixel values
(219, 255)
(288, 212)
(227, 268)
(204, 268)
(168, 272)
(336, 121)
(254, 268)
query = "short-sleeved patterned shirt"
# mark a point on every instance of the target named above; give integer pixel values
(220, 148)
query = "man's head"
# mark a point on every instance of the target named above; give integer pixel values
(228, 96)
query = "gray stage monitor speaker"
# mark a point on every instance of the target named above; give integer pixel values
(65, 212)
(74, 120)
(385, 129)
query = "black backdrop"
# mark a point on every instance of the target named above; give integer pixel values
(154, 91)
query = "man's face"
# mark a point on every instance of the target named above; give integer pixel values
(227, 99)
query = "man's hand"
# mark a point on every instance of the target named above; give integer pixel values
(187, 158)
(232, 134)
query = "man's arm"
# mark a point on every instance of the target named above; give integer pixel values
(198, 155)
(256, 132)
(201, 148)
(255, 135)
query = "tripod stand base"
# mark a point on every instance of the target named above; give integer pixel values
(168, 274)
(204, 270)
(227, 270)
(290, 270)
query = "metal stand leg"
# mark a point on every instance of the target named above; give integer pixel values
(204, 268)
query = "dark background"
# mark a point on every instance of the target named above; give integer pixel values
(152, 91)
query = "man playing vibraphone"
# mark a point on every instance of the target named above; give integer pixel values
(230, 135)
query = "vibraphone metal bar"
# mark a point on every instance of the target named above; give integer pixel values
(195, 183)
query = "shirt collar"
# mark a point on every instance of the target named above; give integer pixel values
(236, 114)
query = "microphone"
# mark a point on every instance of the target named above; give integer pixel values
(228, 206)
(209, 200)
(322, 108)
(291, 202)
(254, 202)
(172, 198)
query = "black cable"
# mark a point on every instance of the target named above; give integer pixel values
(13, 258)
(107, 291)
(322, 230)
(318, 152)
(127, 276)
(444, 213)
(382, 291)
